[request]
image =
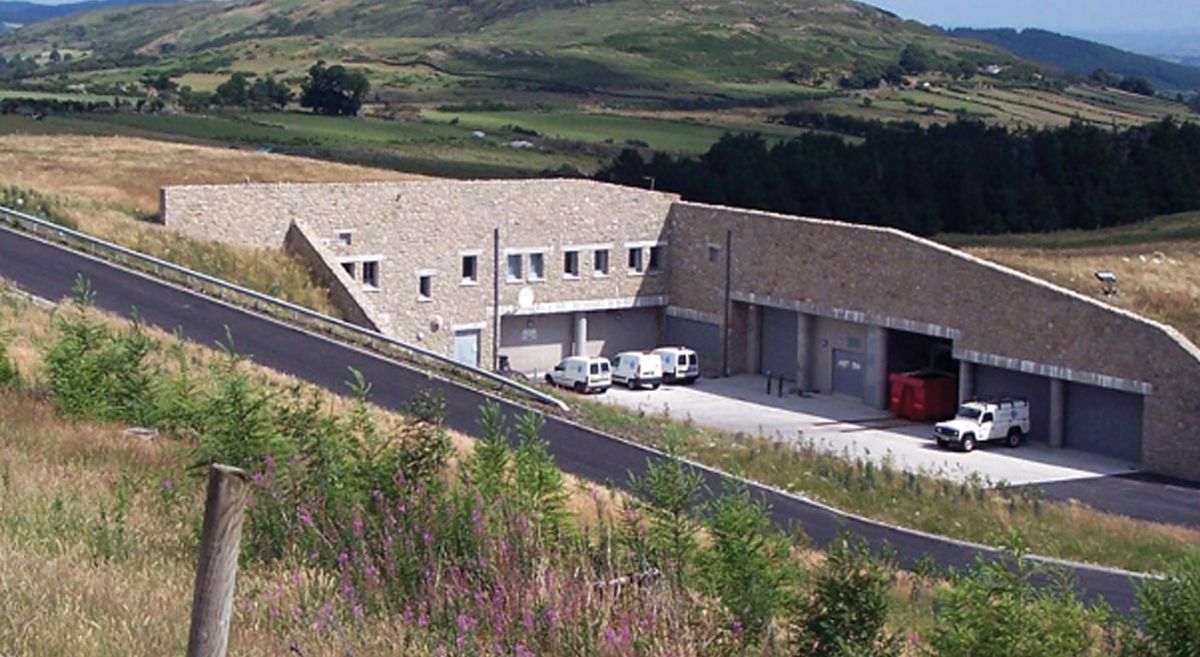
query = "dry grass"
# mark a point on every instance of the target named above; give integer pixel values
(108, 187)
(1157, 280)
(127, 173)
(62, 593)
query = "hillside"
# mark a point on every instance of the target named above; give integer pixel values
(635, 50)
(1082, 57)
(25, 13)
(1157, 263)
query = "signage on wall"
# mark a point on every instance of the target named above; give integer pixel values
(528, 335)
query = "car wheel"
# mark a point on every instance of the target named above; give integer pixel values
(549, 379)
(655, 386)
(580, 388)
(941, 443)
(1014, 437)
(968, 443)
(631, 383)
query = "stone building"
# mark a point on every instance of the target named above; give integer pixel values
(532, 271)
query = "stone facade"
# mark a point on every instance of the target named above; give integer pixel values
(417, 229)
(995, 316)
(715, 267)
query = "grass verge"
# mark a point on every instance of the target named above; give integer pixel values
(970, 511)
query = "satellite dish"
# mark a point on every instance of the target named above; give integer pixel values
(525, 298)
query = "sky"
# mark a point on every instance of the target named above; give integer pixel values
(1075, 16)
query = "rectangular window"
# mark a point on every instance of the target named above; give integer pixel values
(425, 288)
(515, 274)
(714, 253)
(537, 266)
(349, 267)
(470, 269)
(600, 262)
(656, 258)
(345, 237)
(370, 275)
(571, 264)
(635, 260)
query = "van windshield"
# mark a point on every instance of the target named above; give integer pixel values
(969, 412)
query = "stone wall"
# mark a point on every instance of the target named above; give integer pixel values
(426, 227)
(888, 278)
(342, 289)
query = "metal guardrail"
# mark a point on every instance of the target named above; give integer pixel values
(262, 303)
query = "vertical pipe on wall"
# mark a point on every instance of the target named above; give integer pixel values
(496, 300)
(728, 301)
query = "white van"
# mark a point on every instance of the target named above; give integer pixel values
(582, 374)
(679, 364)
(985, 420)
(638, 368)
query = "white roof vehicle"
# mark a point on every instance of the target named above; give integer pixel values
(638, 368)
(679, 364)
(979, 421)
(582, 374)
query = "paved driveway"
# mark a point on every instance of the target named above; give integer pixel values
(842, 425)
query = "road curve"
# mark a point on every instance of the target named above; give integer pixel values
(49, 271)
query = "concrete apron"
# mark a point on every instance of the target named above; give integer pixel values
(845, 426)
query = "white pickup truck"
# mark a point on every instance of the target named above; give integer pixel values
(985, 420)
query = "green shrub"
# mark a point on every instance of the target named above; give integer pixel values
(667, 495)
(96, 373)
(537, 480)
(747, 564)
(846, 614)
(9, 377)
(1170, 609)
(994, 611)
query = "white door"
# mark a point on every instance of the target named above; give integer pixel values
(466, 347)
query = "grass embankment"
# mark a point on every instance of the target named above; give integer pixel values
(369, 533)
(108, 187)
(971, 511)
(1157, 263)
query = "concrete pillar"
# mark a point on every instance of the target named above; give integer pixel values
(804, 349)
(581, 334)
(875, 376)
(753, 338)
(966, 381)
(1058, 408)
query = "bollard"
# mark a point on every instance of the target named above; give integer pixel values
(768, 383)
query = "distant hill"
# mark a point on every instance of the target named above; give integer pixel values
(26, 13)
(1082, 57)
(724, 52)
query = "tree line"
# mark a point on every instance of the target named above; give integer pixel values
(965, 177)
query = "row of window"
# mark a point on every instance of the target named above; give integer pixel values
(531, 266)
(524, 267)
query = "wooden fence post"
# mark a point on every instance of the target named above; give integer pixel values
(216, 570)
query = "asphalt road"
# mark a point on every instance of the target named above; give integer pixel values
(1139, 495)
(49, 272)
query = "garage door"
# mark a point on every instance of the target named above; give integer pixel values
(780, 342)
(612, 331)
(703, 338)
(848, 373)
(1104, 421)
(995, 382)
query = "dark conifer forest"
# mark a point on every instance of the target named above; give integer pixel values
(964, 177)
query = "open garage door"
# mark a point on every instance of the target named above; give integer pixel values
(780, 343)
(1104, 421)
(995, 382)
